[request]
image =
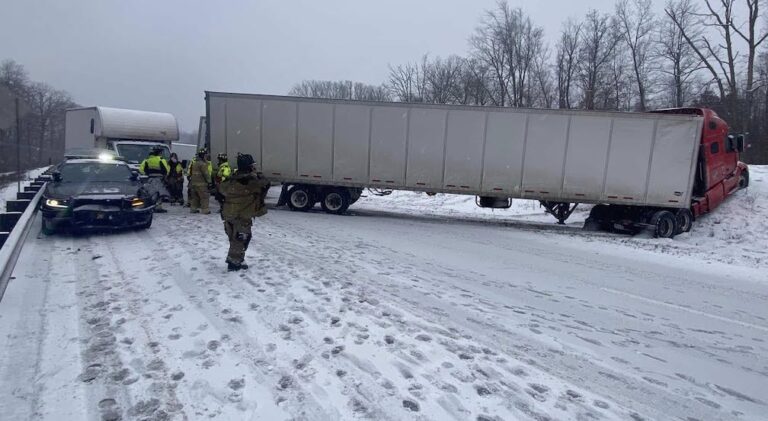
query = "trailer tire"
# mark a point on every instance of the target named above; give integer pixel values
(684, 220)
(664, 224)
(300, 198)
(335, 201)
(591, 225)
(744, 180)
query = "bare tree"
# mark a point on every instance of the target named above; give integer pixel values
(343, 89)
(489, 48)
(595, 54)
(442, 76)
(636, 23)
(402, 82)
(679, 63)
(566, 61)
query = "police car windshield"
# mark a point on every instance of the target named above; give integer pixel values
(94, 171)
(136, 153)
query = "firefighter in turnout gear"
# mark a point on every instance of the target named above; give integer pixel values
(224, 171)
(175, 179)
(242, 199)
(157, 168)
(200, 184)
(190, 164)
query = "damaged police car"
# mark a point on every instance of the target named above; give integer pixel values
(90, 193)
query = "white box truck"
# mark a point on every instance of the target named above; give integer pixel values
(132, 134)
(643, 170)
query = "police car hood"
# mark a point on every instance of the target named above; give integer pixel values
(66, 190)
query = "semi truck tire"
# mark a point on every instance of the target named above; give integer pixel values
(744, 180)
(335, 201)
(664, 224)
(300, 198)
(684, 220)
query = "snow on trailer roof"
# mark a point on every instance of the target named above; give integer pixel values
(120, 123)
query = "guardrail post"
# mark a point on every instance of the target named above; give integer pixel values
(17, 205)
(25, 195)
(8, 220)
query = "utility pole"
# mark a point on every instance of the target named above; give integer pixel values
(18, 145)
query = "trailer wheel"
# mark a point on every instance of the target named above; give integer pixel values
(744, 180)
(684, 220)
(664, 224)
(300, 198)
(335, 201)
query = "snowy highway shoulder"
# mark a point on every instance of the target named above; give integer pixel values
(393, 312)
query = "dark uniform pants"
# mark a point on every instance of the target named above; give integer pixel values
(175, 185)
(200, 198)
(239, 234)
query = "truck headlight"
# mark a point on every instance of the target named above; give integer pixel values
(55, 203)
(136, 202)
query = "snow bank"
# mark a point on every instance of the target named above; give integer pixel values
(8, 191)
(735, 233)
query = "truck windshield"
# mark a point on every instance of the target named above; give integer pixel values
(94, 171)
(136, 153)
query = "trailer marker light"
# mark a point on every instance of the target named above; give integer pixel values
(629, 198)
(376, 180)
(543, 192)
(674, 201)
(580, 194)
(276, 173)
(450, 185)
(529, 191)
(421, 184)
(464, 187)
(613, 197)
(317, 176)
(348, 178)
(389, 181)
(304, 175)
(498, 189)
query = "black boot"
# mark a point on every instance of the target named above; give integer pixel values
(231, 267)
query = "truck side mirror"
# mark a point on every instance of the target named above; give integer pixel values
(730, 143)
(56, 176)
(740, 143)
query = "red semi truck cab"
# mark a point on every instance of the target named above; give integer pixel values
(719, 172)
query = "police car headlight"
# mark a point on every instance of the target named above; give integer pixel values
(56, 203)
(136, 202)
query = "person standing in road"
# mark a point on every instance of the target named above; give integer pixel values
(157, 168)
(224, 171)
(199, 184)
(175, 180)
(242, 198)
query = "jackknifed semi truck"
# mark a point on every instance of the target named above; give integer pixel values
(653, 171)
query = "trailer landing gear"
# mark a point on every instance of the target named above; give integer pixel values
(560, 210)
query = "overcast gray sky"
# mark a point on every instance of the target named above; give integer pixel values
(161, 55)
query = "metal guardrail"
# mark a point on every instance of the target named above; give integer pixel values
(10, 250)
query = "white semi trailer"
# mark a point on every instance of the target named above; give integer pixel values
(132, 134)
(642, 169)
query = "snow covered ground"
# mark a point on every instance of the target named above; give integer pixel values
(8, 191)
(402, 310)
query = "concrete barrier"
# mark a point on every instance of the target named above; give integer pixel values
(16, 205)
(10, 250)
(32, 188)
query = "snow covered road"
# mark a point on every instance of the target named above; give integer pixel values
(383, 315)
